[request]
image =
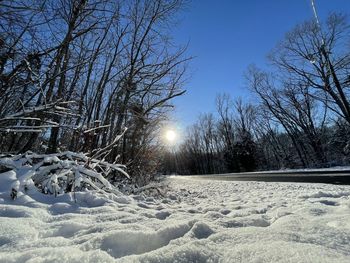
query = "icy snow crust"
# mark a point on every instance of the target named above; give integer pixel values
(198, 221)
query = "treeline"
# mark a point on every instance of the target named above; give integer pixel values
(75, 73)
(300, 115)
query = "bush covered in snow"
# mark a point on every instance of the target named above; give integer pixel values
(61, 172)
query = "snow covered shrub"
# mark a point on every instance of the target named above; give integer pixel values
(61, 172)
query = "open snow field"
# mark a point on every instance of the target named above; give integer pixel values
(198, 221)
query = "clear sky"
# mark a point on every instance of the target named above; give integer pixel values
(226, 36)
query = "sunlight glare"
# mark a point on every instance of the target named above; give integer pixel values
(170, 136)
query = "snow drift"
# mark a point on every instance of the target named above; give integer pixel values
(196, 221)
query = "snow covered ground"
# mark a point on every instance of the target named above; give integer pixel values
(198, 221)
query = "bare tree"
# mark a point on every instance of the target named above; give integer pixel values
(319, 58)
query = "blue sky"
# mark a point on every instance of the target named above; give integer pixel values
(226, 36)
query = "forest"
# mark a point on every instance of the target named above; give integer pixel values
(100, 76)
(298, 115)
(77, 74)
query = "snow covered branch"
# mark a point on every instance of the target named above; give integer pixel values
(62, 172)
(35, 114)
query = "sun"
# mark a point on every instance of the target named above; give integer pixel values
(170, 136)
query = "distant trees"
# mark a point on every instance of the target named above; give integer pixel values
(74, 73)
(200, 149)
(223, 144)
(301, 116)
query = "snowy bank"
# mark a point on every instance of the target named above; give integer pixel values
(197, 221)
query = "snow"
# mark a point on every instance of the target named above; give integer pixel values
(196, 221)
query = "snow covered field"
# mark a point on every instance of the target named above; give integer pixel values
(198, 221)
